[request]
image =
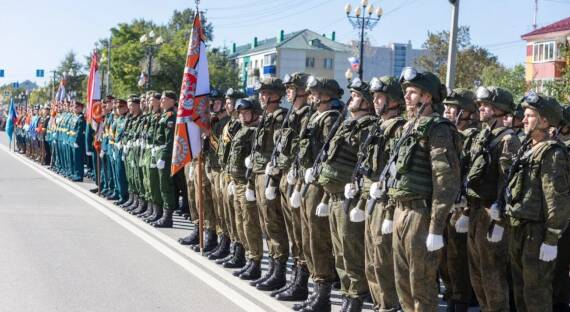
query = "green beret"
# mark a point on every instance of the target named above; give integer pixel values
(122, 102)
(170, 94)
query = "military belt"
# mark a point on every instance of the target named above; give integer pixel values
(413, 204)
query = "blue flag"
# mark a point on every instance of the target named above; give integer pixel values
(12, 118)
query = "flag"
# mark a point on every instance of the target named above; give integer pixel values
(94, 110)
(192, 116)
(12, 119)
(60, 95)
(354, 62)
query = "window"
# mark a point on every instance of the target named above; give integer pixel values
(544, 51)
(328, 63)
(310, 62)
(269, 59)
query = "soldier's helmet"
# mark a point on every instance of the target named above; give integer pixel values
(328, 86)
(497, 97)
(298, 80)
(231, 93)
(518, 112)
(546, 106)
(426, 81)
(249, 103)
(271, 84)
(361, 87)
(462, 98)
(388, 85)
(216, 94)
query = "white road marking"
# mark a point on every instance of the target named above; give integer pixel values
(159, 240)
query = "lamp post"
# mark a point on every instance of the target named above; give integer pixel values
(150, 45)
(363, 22)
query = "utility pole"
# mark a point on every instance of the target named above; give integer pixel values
(452, 55)
(107, 85)
(535, 18)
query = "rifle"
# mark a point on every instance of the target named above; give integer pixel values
(322, 156)
(385, 175)
(254, 145)
(505, 194)
(277, 148)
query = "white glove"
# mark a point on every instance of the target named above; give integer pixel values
(102, 154)
(248, 163)
(88, 153)
(271, 193)
(231, 188)
(357, 215)
(153, 152)
(497, 234)
(462, 224)
(295, 199)
(270, 170)
(322, 210)
(387, 227)
(309, 178)
(250, 195)
(434, 242)
(494, 212)
(350, 190)
(375, 190)
(291, 177)
(548, 252)
(160, 164)
(119, 145)
(75, 145)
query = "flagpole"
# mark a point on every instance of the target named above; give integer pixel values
(200, 203)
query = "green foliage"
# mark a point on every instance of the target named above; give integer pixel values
(223, 75)
(512, 79)
(560, 88)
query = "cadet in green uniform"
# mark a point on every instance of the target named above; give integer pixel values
(538, 205)
(424, 182)
(286, 160)
(118, 129)
(492, 152)
(315, 231)
(107, 179)
(379, 261)
(77, 141)
(246, 211)
(129, 143)
(460, 108)
(271, 91)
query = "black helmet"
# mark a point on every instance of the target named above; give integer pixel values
(325, 85)
(546, 106)
(498, 97)
(463, 98)
(363, 88)
(270, 83)
(251, 103)
(234, 94)
(216, 94)
(426, 81)
(299, 80)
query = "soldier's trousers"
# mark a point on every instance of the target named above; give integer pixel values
(217, 199)
(78, 161)
(379, 262)
(272, 219)
(190, 175)
(154, 181)
(415, 267)
(252, 240)
(316, 234)
(454, 265)
(348, 249)
(206, 189)
(292, 218)
(532, 277)
(169, 198)
(487, 261)
(561, 283)
(229, 211)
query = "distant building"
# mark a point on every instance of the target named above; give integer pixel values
(543, 52)
(316, 54)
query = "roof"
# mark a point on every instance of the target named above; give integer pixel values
(561, 25)
(295, 40)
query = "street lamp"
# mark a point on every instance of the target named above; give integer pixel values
(365, 18)
(150, 45)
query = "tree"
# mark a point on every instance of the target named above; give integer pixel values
(471, 59)
(560, 88)
(73, 70)
(512, 79)
(223, 74)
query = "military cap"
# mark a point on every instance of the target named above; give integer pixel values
(170, 94)
(231, 93)
(463, 98)
(325, 85)
(361, 87)
(388, 85)
(251, 103)
(153, 94)
(299, 80)
(216, 94)
(121, 102)
(546, 106)
(426, 81)
(108, 98)
(496, 96)
(79, 103)
(272, 84)
(134, 98)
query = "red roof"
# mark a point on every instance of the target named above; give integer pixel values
(555, 27)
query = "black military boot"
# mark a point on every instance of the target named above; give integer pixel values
(230, 255)
(244, 265)
(298, 290)
(238, 260)
(149, 211)
(165, 221)
(141, 208)
(292, 279)
(278, 279)
(308, 301)
(133, 205)
(129, 201)
(267, 274)
(322, 302)
(222, 250)
(210, 241)
(354, 305)
(156, 215)
(192, 239)
(253, 271)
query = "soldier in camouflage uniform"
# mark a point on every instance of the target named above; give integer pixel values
(460, 108)
(246, 211)
(287, 149)
(140, 173)
(271, 90)
(130, 152)
(153, 181)
(491, 152)
(423, 183)
(514, 121)
(379, 261)
(315, 226)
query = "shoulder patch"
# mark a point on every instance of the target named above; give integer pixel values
(170, 124)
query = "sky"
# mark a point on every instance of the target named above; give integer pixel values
(38, 33)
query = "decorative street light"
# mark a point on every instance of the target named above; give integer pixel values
(362, 22)
(150, 45)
